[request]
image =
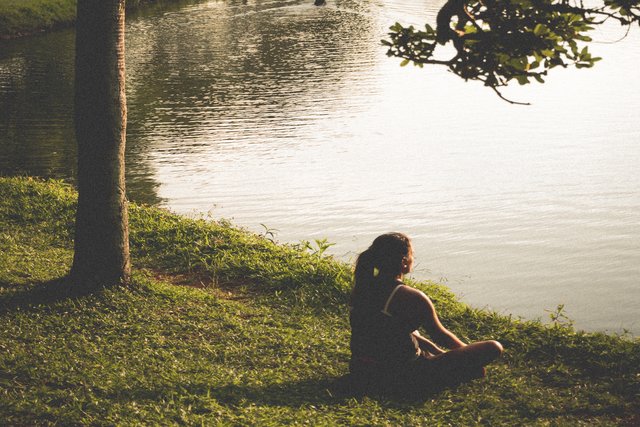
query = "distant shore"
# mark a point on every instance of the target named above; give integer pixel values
(19, 18)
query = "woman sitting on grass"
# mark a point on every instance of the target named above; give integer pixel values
(387, 352)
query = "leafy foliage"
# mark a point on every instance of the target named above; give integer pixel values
(497, 41)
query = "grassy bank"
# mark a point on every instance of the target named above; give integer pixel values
(22, 17)
(226, 327)
(25, 17)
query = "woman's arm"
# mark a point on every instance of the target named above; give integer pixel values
(418, 309)
(426, 345)
(435, 329)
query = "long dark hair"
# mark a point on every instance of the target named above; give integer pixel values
(381, 263)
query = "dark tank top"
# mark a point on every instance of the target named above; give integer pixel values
(378, 339)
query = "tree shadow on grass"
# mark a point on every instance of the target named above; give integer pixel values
(35, 295)
(294, 394)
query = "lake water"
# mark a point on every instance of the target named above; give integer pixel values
(283, 116)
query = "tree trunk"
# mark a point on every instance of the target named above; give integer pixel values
(101, 255)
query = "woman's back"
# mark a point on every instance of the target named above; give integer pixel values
(380, 340)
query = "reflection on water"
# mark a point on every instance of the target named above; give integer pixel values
(284, 114)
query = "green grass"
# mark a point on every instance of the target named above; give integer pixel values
(18, 17)
(256, 339)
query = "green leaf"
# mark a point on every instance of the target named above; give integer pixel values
(540, 29)
(470, 29)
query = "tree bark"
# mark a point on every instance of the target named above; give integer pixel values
(101, 255)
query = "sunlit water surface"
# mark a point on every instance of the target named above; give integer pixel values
(283, 116)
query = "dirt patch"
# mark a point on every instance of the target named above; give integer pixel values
(225, 290)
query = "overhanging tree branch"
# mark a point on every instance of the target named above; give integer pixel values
(498, 41)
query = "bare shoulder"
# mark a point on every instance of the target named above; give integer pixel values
(411, 302)
(414, 295)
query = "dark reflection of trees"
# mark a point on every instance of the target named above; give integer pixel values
(248, 58)
(267, 59)
(36, 114)
(36, 97)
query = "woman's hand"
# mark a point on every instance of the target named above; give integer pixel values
(426, 345)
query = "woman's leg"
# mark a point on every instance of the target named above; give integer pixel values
(476, 354)
(430, 374)
(465, 363)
